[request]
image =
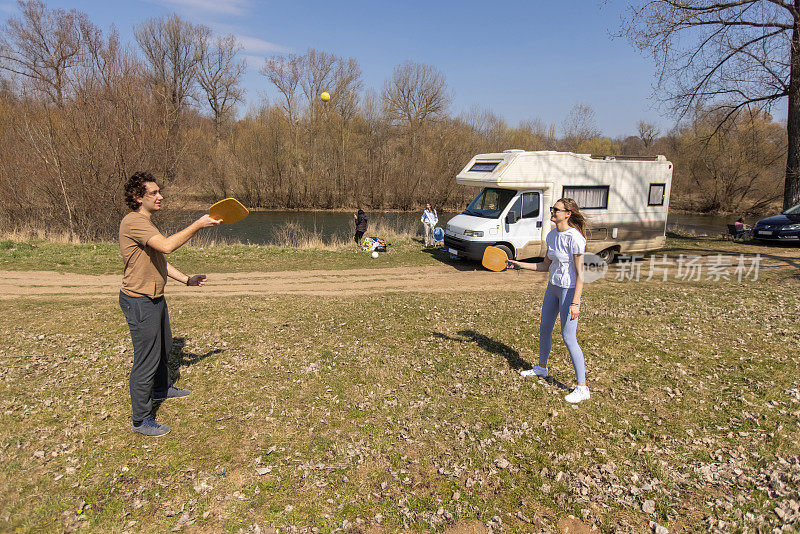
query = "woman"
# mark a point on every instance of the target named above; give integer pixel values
(429, 220)
(361, 225)
(741, 226)
(566, 244)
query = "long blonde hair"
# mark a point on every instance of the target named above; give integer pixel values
(576, 218)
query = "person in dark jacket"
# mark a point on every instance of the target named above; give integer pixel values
(361, 225)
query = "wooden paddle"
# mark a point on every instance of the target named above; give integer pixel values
(495, 259)
(228, 211)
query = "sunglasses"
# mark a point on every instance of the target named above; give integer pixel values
(555, 209)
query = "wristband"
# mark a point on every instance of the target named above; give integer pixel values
(188, 280)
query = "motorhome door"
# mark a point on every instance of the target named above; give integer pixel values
(526, 232)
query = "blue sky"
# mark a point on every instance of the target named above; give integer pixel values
(520, 59)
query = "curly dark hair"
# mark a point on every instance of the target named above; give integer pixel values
(135, 187)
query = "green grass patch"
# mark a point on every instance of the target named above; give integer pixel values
(104, 258)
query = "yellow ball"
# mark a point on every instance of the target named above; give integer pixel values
(325, 97)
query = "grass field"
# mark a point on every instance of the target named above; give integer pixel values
(406, 410)
(104, 258)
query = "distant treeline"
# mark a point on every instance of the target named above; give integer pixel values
(80, 111)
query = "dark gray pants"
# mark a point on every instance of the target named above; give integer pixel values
(148, 320)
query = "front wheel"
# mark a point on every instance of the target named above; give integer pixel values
(507, 250)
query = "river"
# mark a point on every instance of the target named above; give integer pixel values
(263, 227)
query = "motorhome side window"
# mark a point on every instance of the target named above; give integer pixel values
(588, 197)
(530, 205)
(656, 195)
(490, 202)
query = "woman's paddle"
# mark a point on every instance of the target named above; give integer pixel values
(495, 259)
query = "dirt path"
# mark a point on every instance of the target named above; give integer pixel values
(435, 278)
(426, 279)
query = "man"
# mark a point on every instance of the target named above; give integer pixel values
(361, 226)
(429, 220)
(142, 297)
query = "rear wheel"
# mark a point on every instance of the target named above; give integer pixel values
(507, 250)
(608, 255)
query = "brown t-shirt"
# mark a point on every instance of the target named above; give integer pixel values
(145, 268)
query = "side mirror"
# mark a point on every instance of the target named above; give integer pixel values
(511, 218)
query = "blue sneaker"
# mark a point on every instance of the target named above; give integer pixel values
(149, 427)
(173, 393)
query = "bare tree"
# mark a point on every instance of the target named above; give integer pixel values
(579, 125)
(346, 86)
(415, 93)
(480, 119)
(726, 55)
(284, 73)
(219, 74)
(45, 47)
(172, 50)
(729, 168)
(648, 133)
(316, 76)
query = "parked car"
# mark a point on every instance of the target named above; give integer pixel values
(784, 228)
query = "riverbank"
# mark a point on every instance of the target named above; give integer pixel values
(334, 229)
(104, 258)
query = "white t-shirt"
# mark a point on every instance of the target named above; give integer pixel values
(560, 248)
(429, 217)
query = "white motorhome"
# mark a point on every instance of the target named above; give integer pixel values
(624, 199)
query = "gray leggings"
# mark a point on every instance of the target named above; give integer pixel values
(557, 301)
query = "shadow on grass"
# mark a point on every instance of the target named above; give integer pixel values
(441, 255)
(179, 358)
(515, 361)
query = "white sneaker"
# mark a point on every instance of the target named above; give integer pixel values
(536, 371)
(580, 393)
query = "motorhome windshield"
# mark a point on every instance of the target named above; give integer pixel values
(490, 203)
